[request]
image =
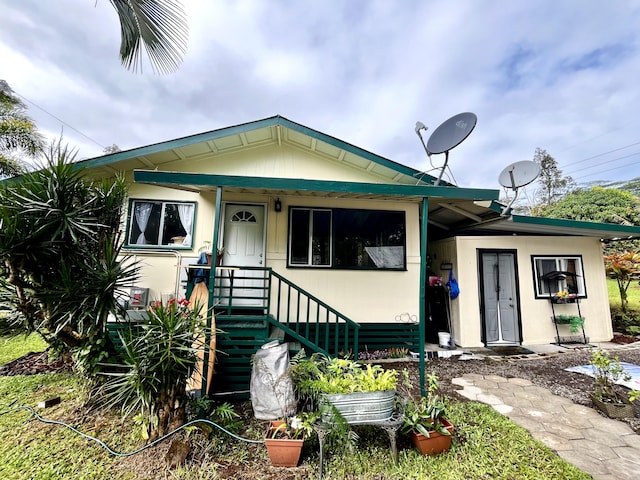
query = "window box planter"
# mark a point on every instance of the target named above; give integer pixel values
(558, 300)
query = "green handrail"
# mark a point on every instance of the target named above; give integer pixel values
(289, 307)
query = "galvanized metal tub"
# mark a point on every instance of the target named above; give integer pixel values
(362, 407)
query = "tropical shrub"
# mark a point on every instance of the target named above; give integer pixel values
(159, 358)
(61, 272)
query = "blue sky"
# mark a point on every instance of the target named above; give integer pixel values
(562, 76)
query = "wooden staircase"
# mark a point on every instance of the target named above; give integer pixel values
(286, 313)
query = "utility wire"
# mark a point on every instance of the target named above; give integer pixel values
(60, 120)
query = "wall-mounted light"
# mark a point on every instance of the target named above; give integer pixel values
(278, 205)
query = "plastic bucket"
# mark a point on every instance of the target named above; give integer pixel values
(443, 339)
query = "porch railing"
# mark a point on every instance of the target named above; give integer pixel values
(251, 291)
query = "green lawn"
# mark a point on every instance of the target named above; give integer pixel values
(485, 445)
(16, 347)
(633, 295)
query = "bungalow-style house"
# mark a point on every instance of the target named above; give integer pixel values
(339, 250)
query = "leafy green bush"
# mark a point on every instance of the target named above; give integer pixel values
(323, 375)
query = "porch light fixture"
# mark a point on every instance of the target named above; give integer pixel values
(277, 205)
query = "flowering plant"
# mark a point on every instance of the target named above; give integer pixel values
(297, 426)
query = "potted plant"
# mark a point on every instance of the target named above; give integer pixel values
(575, 322)
(285, 438)
(426, 423)
(606, 397)
(355, 392)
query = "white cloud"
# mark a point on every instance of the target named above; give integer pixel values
(556, 75)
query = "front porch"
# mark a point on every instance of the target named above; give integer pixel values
(255, 305)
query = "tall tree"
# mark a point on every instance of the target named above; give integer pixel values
(18, 134)
(160, 26)
(553, 185)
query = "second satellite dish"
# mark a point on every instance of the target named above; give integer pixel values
(451, 133)
(518, 175)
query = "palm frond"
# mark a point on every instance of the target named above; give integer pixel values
(158, 25)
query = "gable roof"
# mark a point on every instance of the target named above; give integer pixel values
(271, 130)
(452, 209)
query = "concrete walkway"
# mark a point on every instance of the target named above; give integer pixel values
(604, 448)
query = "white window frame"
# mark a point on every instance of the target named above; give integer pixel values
(544, 289)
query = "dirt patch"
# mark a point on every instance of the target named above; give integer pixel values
(35, 363)
(546, 371)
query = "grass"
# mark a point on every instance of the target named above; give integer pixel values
(485, 445)
(629, 322)
(12, 348)
(633, 295)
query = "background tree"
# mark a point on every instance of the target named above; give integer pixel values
(598, 204)
(18, 134)
(113, 148)
(60, 274)
(553, 185)
(625, 268)
(159, 26)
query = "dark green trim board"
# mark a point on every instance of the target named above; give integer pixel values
(576, 224)
(210, 180)
(423, 289)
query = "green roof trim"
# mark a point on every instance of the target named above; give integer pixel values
(107, 160)
(576, 224)
(210, 180)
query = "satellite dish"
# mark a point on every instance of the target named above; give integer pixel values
(518, 175)
(448, 135)
(451, 133)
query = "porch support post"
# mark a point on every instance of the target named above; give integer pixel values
(423, 288)
(212, 273)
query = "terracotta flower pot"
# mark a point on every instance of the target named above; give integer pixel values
(436, 442)
(283, 452)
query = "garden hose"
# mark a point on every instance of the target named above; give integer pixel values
(37, 416)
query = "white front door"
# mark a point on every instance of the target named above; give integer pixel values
(243, 242)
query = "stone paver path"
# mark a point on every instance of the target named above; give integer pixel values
(606, 449)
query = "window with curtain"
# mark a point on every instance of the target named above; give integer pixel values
(572, 281)
(347, 239)
(154, 223)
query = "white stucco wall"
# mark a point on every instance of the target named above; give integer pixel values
(537, 327)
